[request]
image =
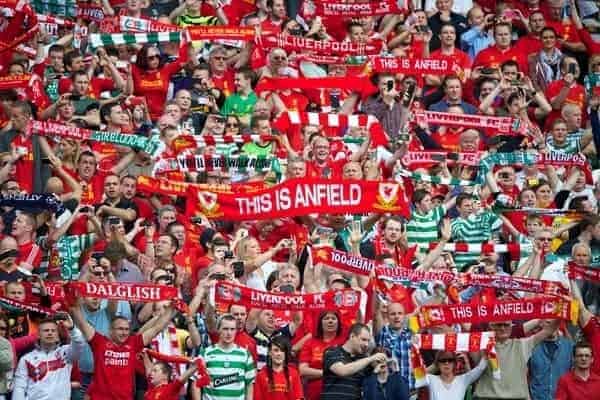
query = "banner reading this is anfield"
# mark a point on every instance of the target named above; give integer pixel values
(296, 197)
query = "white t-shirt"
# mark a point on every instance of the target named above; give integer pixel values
(439, 390)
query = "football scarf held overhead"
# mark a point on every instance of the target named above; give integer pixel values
(504, 125)
(200, 163)
(15, 305)
(507, 282)
(344, 261)
(409, 277)
(412, 66)
(462, 247)
(136, 292)
(219, 32)
(14, 81)
(576, 271)
(524, 309)
(33, 202)
(47, 128)
(296, 197)
(326, 47)
(429, 157)
(229, 293)
(203, 377)
(356, 10)
(29, 30)
(114, 39)
(140, 25)
(462, 342)
(178, 188)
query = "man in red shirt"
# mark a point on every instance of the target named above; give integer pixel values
(221, 75)
(494, 56)
(450, 53)
(563, 26)
(23, 230)
(31, 173)
(276, 15)
(565, 90)
(242, 339)
(532, 43)
(115, 356)
(581, 382)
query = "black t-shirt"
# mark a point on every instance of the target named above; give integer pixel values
(341, 387)
(14, 276)
(124, 204)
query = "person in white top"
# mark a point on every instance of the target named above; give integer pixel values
(45, 372)
(447, 385)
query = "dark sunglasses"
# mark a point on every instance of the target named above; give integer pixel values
(446, 360)
(232, 125)
(153, 57)
(165, 278)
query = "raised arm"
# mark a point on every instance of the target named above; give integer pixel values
(84, 326)
(160, 324)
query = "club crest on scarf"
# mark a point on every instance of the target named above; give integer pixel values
(209, 205)
(387, 196)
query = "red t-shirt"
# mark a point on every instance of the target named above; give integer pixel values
(565, 30)
(247, 342)
(592, 334)
(96, 87)
(167, 391)
(153, 85)
(334, 169)
(492, 57)
(225, 82)
(114, 367)
(279, 390)
(528, 44)
(30, 253)
(312, 354)
(576, 96)
(459, 57)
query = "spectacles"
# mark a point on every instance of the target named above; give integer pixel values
(153, 57)
(446, 360)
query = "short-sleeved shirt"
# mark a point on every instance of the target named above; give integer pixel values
(513, 356)
(592, 334)
(231, 372)
(114, 366)
(341, 387)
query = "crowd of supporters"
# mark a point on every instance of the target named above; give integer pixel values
(105, 136)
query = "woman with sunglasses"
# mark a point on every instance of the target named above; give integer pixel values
(232, 125)
(278, 380)
(447, 385)
(151, 76)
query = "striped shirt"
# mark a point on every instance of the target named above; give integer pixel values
(572, 143)
(337, 387)
(231, 372)
(423, 229)
(262, 347)
(475, 229)
(196, 20)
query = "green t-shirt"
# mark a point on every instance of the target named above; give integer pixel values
(238, 105)
(256, 150)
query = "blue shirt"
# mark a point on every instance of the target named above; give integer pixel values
(395, 388)
(442, 106)
(398, 342)
(474, 40)
(548, 362)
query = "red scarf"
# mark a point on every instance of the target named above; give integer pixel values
(357, 84)
(135, 292)
(427, 157)
(344, 261)
(227, 293)
(577, 271)
(356, 10)
(503, 125)
(14, 81)
(296, 197)
(203, 377)
(326, 47)
(524, 309)
(167, 187)
(412, 66)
